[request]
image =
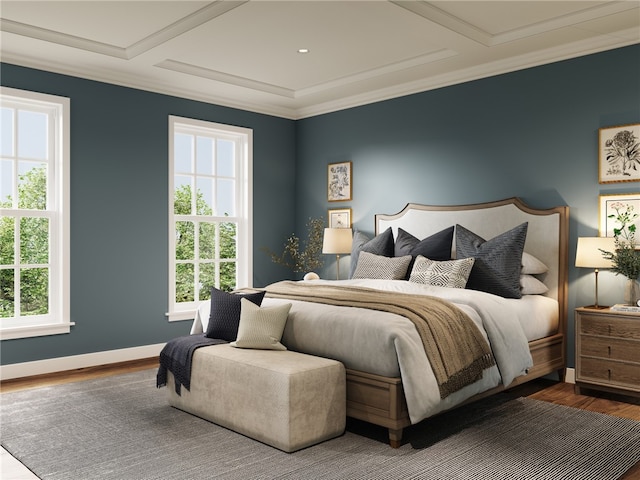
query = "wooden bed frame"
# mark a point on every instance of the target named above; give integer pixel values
(380, 400)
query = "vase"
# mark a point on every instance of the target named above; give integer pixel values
(632, 292)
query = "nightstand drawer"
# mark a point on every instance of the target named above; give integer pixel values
(609, 372)
(610, 326)
(610, 348)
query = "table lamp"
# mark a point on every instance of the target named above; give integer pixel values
(589, 255)
(337, 241)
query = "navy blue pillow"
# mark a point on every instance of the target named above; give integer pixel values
(381, 244)
(225, 313)
(435, 247)
(498, 261)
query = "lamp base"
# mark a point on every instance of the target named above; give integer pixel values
(597, 307)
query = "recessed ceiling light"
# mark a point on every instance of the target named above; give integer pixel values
(303, 50)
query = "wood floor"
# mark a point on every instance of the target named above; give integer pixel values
(545, 390)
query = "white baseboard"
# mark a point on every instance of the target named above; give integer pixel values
(60, 364)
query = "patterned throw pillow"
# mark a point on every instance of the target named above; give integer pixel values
(450, 273)
(498, 261)
(381, 244)
(380, 267)
(225, 313)
(261, 327)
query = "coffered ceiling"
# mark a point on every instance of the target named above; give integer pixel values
(244, 54)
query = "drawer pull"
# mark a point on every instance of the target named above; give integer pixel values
(609, 350)
(609, 373)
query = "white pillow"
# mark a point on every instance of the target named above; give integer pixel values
(380, 267)
(261, 327)
(450, 273)
(530, 285)
(531, 265)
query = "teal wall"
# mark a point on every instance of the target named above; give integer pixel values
(119, 200)
(531, 133)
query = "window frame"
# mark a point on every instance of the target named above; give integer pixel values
(58, 320)
(243, 138)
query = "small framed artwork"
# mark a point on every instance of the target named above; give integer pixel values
(616, 210)
(340, 218)
(619, 154)
(339, 182)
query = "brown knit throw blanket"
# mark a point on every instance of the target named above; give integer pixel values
(456, 349)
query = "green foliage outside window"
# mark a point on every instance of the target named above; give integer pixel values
(34, 249)
(206, 241)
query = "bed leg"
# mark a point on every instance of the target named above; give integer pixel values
(562, 374)
(395, 437)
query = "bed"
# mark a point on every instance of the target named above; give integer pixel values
(389, 382)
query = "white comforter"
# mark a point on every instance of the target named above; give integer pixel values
(389, 345)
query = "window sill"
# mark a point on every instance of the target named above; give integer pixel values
(35, 331)
(180, 316)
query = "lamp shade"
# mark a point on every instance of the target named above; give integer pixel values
(337, 240)
(588, 252)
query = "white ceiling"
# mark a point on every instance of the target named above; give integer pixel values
(243, 54)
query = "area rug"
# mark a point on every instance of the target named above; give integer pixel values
(121, 428)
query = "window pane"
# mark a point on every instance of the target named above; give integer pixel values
(207, 280)
(6, 184)
(7, 239)
(183, 153)
(228, 240)
(182, 200)
(32, 135)
(207, 241)
(225, 158)
(34, 240)
(32, 185)
(226, 196)
(185, 241)
(204, 156)
(227, 276)
(205, 196)
(184, 283)
(6, 130)
(7, 293)
(34, 291)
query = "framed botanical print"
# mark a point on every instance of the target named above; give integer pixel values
(339, 182)
(619, 154)
(340, 218)
(617, 211)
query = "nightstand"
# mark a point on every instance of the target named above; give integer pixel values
(608, 351)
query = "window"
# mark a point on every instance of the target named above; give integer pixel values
(34, 214)
(209, 212)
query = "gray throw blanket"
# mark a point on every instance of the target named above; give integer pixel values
(455, 347)
(176, 356)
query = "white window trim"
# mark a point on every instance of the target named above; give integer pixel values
(244, 201)
(59, 320)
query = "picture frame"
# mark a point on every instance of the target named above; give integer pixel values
(619, 154)
(339, 182)
(340, 218)
(614, 204)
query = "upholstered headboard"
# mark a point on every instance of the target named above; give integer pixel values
(547, 234)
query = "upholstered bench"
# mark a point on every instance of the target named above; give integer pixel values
(285, 399)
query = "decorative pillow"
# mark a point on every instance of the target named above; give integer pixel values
(261, 327)
(497, 261)
(530, 285)
(381, 267)
(532, 266)
(381, 244)
(225, 313)
(434, 247)
(450, 273)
